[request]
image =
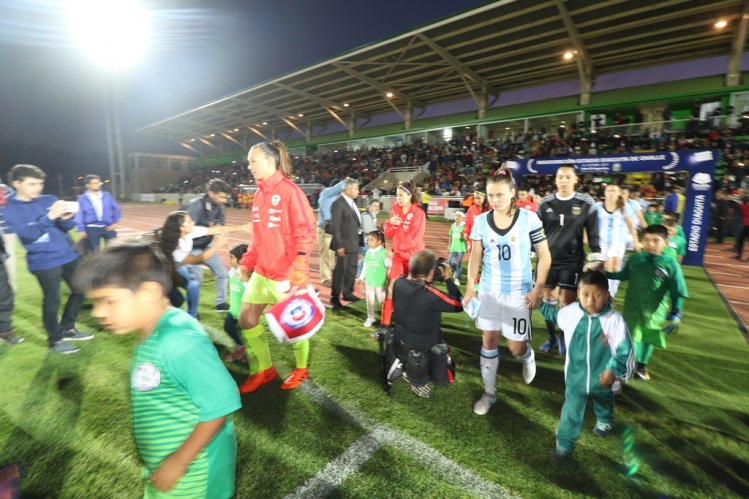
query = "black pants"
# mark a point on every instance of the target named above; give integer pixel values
(344, 275)
(743, 235)
(50, 280)
(95, 234)
(6, 298)
(231, 326)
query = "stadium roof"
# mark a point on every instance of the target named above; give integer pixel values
(479, 53)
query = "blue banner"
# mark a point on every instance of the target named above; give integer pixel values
(699, 164)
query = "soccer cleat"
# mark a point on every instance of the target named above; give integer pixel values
(548, 346)
(74, 335)
(368, 323)
(561, 454)
(642, 372)
(9, 338)
(239, 353)
(602, 429)
(222, 307)
(395, 371)
(257, 380)
(483, 404)
(63, 347)
(529, 368)
(295, 379)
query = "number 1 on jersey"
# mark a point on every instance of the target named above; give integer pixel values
(561, 220)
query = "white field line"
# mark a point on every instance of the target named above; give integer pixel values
(377, 435)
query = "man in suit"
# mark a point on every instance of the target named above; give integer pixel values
(346, 224)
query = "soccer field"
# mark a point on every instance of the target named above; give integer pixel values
(65, 419)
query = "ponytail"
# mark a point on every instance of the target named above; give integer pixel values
(277, 150)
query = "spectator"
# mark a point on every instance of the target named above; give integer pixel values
(98, 213)
(744, 234)
(672, 201)
(346, 222)
(325, 231)
(6, 194)
(207, 211)
(7, 335)
(42, 223)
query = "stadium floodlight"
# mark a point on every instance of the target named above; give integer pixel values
(114, 32)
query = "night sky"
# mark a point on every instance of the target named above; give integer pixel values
(51, 93)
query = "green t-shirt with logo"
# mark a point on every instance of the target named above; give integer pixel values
(457, 243)
(652, 217)
(374, 269)
(176, 381)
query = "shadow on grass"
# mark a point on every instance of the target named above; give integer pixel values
(365, 363)
(47, 454)
(265, 407)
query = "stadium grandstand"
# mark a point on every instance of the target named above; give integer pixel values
(504, 72)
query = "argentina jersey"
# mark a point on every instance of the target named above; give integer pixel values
(612, 226)
(506, 264)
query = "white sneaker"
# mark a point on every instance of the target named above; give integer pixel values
(617, 387)
(529, 368)
(456, 281)
(483, 404)
(368, 323)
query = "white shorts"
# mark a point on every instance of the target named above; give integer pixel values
(508, 314)
(613, 251)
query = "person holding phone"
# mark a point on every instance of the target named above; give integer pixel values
(42, 223)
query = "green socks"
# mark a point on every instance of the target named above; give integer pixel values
(301, 354)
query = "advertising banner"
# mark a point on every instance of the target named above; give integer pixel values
(699, 164)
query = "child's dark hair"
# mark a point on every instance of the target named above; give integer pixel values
(91, 176)
(669, 215)
(378, 235)
(22, 172)
(595, 278)
(126, 265)
(670, 221)
(238, 250)
(656, 230)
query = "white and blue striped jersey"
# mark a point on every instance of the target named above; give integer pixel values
(635, 207)
(612, 227)
(506, 264)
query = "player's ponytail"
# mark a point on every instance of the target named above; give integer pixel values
(504, 176)
(277, 151)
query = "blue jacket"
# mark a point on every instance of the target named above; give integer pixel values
(325, 201)
(47, 242)
(6, 194)
(87, 214)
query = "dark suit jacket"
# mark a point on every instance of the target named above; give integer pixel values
(345, 225)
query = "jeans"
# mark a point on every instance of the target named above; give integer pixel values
(455, 261)
(192, 287)
(219, 270)
(94, 235)
(6, 298)
(49, 280)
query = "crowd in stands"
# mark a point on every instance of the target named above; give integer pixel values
(456, 166)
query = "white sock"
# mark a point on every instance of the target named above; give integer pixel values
(528, 356)
(489, 364)
(613, 287)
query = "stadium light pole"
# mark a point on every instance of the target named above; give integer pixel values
(114, 33)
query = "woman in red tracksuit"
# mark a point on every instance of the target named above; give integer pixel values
(278, 257)
(480, 205)
(406, 227)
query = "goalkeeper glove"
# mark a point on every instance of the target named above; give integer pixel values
(593, 261)
(671, 326)
(299, 272)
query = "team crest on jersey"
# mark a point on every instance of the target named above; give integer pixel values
(275, 199)
(513, 239)
(297, 313)
(145, 377)
(576, 210)
(409, 216)
(661, 273)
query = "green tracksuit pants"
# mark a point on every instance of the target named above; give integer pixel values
(573, 413)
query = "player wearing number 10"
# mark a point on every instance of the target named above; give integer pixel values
(502, 241)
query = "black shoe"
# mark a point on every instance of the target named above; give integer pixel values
(222, 307)
(351, 298)
(9, 338)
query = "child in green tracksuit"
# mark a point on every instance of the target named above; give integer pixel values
(236, 290)
(655, 296)
(599, 351)
(676, 245)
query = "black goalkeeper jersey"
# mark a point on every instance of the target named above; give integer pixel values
(564, 221)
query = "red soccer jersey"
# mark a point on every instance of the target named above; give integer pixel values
(408, 237)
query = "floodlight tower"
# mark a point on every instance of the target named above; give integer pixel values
(114, 33)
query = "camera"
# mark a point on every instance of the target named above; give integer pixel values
(439, 270)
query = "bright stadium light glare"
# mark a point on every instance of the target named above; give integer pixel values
(722, 23)
(114, 32)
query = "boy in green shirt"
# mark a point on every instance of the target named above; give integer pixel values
(182, 395)
(655, 296)
(676, 244)
(457, 245)
(652, 215)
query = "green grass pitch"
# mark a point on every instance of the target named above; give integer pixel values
(685, 434)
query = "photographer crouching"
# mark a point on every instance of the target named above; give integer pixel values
(416, 344)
